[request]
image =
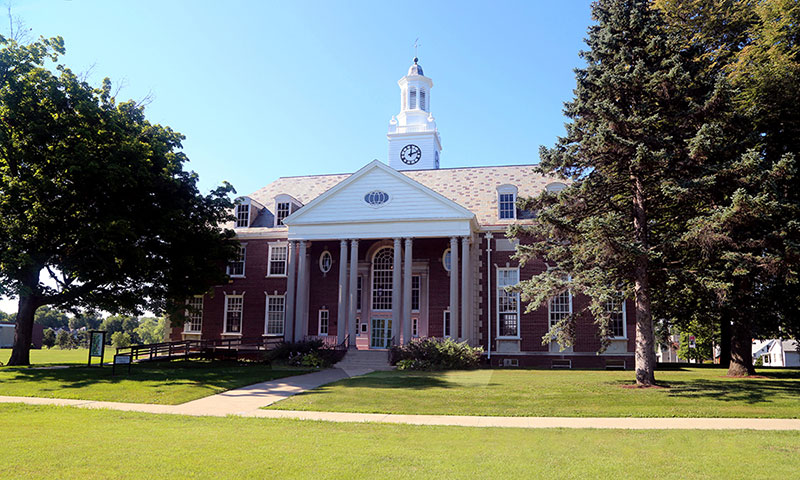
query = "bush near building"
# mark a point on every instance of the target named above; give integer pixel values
(435, 354)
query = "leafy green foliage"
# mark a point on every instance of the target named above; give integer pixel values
(121, 339)
(120, 324)
(48, 337)
(151, 330)
(435, 354)
(89, 321)
(51, 318)
(95, 197)
(65, 341)
(310, 353)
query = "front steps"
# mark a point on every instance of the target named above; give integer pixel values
(365, 360)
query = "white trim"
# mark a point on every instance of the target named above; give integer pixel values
(283, 316)
(243, 254)
(330, 265)
(327, 322)
(246, 205)
(507, 189)
(497, 292)
(188, 323)
(444, 263)
(225, 316)
(377, 164)
(273, 245)
(624, 324)
(550, 308)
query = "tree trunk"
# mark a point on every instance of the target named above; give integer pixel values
(725, 339)
(23, 333)
(741, 364)
(645, 354)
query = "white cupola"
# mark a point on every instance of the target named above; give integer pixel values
(414, 142)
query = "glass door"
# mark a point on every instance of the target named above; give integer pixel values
(381, 335)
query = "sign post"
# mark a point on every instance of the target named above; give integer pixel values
(97, 345)
(121, 359)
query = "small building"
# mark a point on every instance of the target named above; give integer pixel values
(777, 352)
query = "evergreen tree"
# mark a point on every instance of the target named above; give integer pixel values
(639, 103)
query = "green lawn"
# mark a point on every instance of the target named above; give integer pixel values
(168, 383)
(63, 442)
(56, 356)
(694, 392)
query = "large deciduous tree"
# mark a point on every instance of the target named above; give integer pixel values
(94, 199)
(639, 103)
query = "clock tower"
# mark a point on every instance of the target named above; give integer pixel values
(414, 142)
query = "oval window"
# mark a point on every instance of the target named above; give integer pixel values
(446, 260)
(325, 261)
(376, 198)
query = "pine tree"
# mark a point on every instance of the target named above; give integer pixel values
(639, 103)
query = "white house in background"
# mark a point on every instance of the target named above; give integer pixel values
(777, 352)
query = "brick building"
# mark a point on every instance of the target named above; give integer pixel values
(398, 251)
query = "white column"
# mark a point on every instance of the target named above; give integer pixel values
(396, 286)
(291, 282)
(302, 288)
(465, 291)
(341, 311)
(352, 292)
(454, 287)
(407, 292)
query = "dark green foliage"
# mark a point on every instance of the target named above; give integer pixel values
(89, 321)
(51, 318)
(49, 338)
(121, 339)
(95, 197)
(65, 341)
(309, 353)
(120, 323)
(435, 354)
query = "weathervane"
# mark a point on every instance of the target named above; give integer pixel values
(416, 44)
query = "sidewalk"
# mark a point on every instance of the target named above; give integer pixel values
(247, 401)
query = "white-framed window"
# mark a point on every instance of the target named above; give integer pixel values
(559, 307)
(415, 327)
(325, 261)
(555, 187)
(382, 266)
(282, 210)
(324, 316)
(507, 202)
(234, 306)
(767, 358)
(242, 215)
(415, 292)
(278, 253)
(359, 291)
(236, 266)
(446, 260)
(446, 319)
(194, 315)
(276, 308)
(616, 310)
(422, 99)
(412, 98)
(507, 303)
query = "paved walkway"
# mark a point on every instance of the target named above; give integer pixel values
(247, 401)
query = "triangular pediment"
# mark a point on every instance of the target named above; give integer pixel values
(378, 193)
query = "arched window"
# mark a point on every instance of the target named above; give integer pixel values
(382, 266)
(412, 98)
(422, 99)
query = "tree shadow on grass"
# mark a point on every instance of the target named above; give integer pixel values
(218, 374)
(392, 380)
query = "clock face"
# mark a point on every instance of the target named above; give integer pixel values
(410, 154)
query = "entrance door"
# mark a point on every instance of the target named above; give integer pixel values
(381, 336)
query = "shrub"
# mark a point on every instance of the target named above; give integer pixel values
(435, 354)
(307, 353)
(120, 339)
(64, 340)
(49, 338)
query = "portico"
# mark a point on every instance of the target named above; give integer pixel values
(376, 218)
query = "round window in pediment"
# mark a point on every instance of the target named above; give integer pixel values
(325, 261)
(376, 198)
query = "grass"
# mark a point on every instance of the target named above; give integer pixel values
(692, 392)
(56, 356)
(169, 383)
(99, 444)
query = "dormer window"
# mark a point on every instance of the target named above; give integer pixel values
(507, 202)
(242, 215)
(555, 187)
(282, 212)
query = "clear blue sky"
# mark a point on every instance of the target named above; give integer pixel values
(268, 89)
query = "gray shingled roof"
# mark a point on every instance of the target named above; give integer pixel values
(474, 188)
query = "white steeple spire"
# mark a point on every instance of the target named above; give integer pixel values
(414, 142)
